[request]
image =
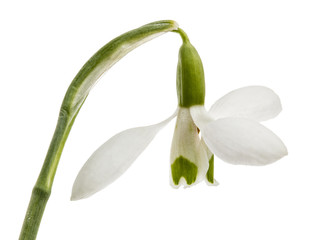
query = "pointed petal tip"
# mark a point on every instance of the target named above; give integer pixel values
(81, 193)
(77, 194)
(74, 198)
(84, 186)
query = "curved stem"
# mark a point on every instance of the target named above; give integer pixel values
(74, 98)
(183, 35)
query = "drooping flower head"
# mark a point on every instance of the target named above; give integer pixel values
(230, 130)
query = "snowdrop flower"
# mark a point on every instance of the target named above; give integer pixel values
(230, 130)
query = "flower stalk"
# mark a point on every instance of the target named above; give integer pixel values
(74, 98)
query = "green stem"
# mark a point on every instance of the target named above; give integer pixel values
(37, 204)
(183, 35)
(42, 188)
(74, 98)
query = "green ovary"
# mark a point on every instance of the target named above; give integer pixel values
(182, 167)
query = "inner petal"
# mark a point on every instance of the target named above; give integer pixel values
(188, 157)
(210, 180)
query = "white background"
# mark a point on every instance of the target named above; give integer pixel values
(288, 45)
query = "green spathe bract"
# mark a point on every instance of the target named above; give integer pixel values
(190, 83)
(107, 56)
(182, 167)
(75, 96)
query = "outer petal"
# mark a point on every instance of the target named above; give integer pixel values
(113, 158)
(254, 102)
(243, 141)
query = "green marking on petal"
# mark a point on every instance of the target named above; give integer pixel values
(210, 173)
(182, 167)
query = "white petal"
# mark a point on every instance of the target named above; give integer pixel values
(254, 102)
(200, 116)
(243, 141)
(113, 158)
(187, 144)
